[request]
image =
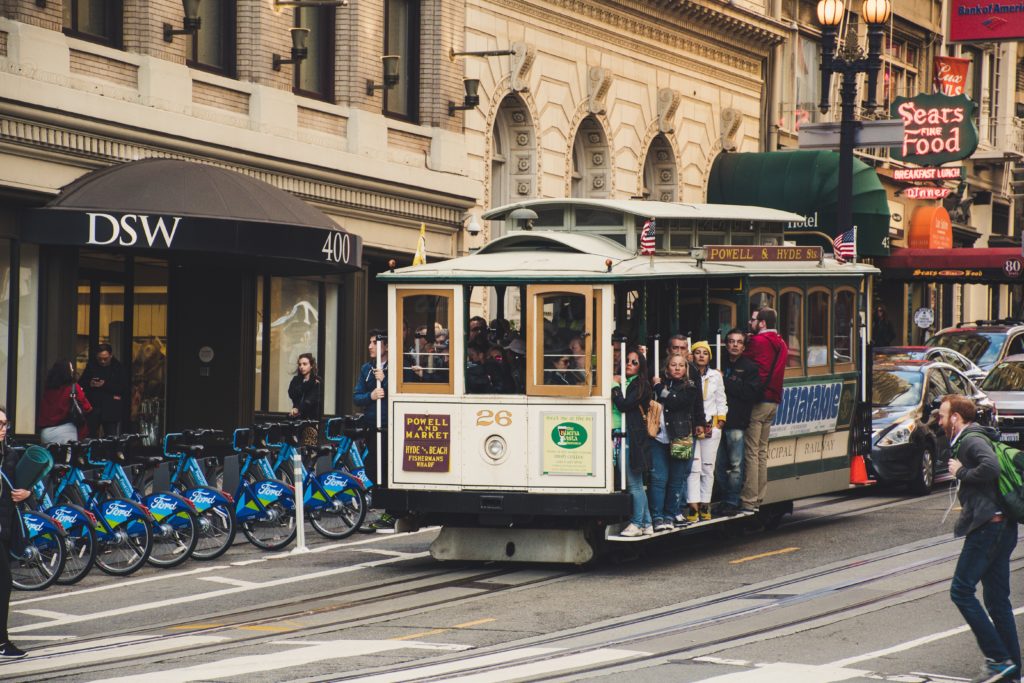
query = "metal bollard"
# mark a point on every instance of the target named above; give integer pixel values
(300, 522)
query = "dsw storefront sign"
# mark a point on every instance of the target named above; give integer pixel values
(126, 231)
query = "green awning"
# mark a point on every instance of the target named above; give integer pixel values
(804, 182)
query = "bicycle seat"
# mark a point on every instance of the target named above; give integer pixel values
(102, 484)
(196, 451)
(60, 470)
(327, 451)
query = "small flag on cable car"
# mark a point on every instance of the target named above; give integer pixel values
(647, 239)
(420, 258)
(845, 246)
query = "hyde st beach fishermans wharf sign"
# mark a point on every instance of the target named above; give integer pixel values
(937, 129)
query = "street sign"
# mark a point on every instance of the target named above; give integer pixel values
(885, 133)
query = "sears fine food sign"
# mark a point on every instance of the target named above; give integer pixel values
(937, 129)
(807, 409)
(427, 443)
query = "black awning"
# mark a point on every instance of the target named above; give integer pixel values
(990, 265)
(169, 205)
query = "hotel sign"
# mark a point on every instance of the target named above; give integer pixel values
(752, 253)
(937, 129)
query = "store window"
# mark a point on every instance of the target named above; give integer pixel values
(314, 76)
(559, 358)
(844, 339)
(427, 320)
(791, 327)
(28, 339)
(401, 37)
(817, 329)
(212, 48)
(149, 350)
(96, 20)
(801, 90)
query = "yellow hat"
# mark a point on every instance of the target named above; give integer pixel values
(702, 345)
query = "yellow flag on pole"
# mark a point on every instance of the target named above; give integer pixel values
(421, 247)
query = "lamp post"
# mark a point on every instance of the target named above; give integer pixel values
(849, 62)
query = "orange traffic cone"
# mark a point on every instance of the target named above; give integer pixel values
(858, 471)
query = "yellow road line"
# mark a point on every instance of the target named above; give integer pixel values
(265, 627)
(186, 627)
(435, 631)
(782, 551)
(474, 623)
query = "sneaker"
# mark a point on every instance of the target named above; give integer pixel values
(384, 522)
(748, 510)
(727, 510)
(681, 520)
(705, 512)
(9, 651)
(664, 525)
(631, 531)
(648, 531)
(692, 516)
(992, 671)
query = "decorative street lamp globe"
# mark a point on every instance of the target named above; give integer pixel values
(830, 12)
(875, 12)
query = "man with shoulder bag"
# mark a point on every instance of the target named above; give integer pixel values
(769, 352)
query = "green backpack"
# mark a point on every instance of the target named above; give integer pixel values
(1011, 478)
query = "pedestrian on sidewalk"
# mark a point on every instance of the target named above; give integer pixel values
(989, 540)
(10, 538)
(368, 396)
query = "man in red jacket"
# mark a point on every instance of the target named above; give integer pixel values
(769, 351)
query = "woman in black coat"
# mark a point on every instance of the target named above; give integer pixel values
(304, 389)
(10, 536)
(633, 404)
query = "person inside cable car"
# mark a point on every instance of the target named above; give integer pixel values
(562, 370)
(478, 379)
(631, 404)
(514, 359)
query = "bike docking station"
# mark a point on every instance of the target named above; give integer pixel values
(300, 521)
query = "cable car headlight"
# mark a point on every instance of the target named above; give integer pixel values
(495, 447)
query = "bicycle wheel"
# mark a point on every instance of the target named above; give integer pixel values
(272, 530)
(80, 552)
(174, 539)
(343, 515)
(40, 563)
(124, 549)
(216, 532)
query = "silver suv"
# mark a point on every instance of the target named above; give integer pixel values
(984, 342)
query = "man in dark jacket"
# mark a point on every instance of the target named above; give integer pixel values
(742, 391)
(769, 352)
(105, 382)
(989, 540)
(369, 392)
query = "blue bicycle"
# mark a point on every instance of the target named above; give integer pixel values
(39, 563)
(78, 523)
(349, 452)
(264, 506)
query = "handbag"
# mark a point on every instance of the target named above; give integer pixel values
(76, 415)
(653, 418)
(681, 448)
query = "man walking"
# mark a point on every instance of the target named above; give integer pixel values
(742, 391)
(367, 395)
(768, 351)
(105, 382)
(989, 541)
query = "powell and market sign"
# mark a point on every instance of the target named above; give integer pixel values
(162, 232)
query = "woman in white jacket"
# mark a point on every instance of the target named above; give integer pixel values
(702, 475)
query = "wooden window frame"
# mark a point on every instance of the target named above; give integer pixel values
(412, 83)
(854, 345)
(326, 62)
(794, 371)
(825, 369)
(535, 339)
(396, 350)
(115, 24)
(227, 39)
(762, 290)
(596, 353)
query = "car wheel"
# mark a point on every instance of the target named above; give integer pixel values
(924, 475)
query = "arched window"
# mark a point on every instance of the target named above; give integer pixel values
(791, 327)
(591, 174)
(844, 340)
(513, 156)
(660, 179)
(818, 317)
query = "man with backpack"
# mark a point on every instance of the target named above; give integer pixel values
(989, 539)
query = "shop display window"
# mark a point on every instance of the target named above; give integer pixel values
(294, 329)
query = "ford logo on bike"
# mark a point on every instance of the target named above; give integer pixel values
(34, 525)
(162, 502)
(202, 498)
(65, 517)
(268, 488)
(334, 481)
(118, 509)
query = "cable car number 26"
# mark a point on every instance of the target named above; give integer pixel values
(486, 418)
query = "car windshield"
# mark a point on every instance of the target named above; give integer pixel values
(981, 347)
(1005, 377)
(901, 355)
(896, 387)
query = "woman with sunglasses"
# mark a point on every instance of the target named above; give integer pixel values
(702, 476)
(633, 404)
(683, 418)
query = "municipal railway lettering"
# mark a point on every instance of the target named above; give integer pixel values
(427, 443)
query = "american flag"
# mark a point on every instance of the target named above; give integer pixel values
(647, 239)
(845, 246)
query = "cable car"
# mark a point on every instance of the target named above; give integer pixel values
(500, 425)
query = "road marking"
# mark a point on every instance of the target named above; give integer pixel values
(229, 581)
(475, 623)
(189, 627)
(267, 627)
(28, 637)
(246, 563)
(722, 660)
(382, 551)
(184, 599)
(163, 576)
(770, 553)
(782, 672)
(435, 631)
(44, 613)
(374, 539)
(61, 657)
(237, 666)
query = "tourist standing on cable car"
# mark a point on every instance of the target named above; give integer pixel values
(633, 404)
(769, 351)
(702, 474)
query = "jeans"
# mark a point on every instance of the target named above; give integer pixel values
(986, 558)
(635, 485)
(730, 466)
(668, 476)
(755, 476)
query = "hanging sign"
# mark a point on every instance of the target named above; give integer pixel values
(951, 75)
(924, 192)
(937, 129)
(931, 173)
(930, 228)
(985, 20)
(726, 252)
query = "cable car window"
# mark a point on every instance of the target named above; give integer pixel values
(596, 218)
(762, 298)
(817, 328)
(843, 340)
(426, 317)
(549, 218)
(496, 349)
(791, 326)
(559, 360)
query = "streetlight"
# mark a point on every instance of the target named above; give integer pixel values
(849, 62)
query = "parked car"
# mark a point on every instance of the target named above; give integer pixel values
(907, 444)
(1005, 386)
(985, 342)
(895, 354)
